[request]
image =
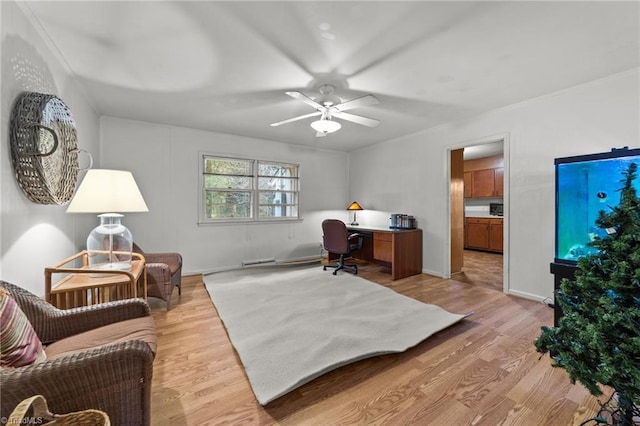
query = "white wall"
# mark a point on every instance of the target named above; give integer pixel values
(165, 161)
(33, 236)
(410, 175)
(404, 176)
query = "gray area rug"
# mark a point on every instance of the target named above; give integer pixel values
(290, 325)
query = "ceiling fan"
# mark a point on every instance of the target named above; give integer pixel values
(328, 106)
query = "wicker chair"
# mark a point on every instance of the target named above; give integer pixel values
(164, 273)
(114, 378)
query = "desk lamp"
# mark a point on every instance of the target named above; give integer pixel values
(354, 207)
(110, 244)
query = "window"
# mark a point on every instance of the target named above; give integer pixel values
(236, 189)
(228, 188)
(277, 190)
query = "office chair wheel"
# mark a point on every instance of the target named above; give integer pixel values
(335, 272)
(324, 268)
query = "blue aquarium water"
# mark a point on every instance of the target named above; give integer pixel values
(586, 185)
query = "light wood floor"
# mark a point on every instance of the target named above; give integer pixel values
(481, 371)
(481, 268)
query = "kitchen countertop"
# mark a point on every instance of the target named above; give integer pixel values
(482, 215)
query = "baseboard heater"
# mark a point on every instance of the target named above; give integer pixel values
(303, 259)
(257, 261)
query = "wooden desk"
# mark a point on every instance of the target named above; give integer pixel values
(85, 286)
(398, 249)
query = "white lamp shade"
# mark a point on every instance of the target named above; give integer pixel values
(326, 126)
(104, 191)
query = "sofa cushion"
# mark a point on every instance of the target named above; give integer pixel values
(19, 343)
(134, 329)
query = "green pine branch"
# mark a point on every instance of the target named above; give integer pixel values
(597, 340)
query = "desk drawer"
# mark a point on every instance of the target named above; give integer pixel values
(478, 220)
(382, 236)
(382, 246)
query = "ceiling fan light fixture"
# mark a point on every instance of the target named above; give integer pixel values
(325, 126)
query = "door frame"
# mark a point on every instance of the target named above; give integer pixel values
(505, 138)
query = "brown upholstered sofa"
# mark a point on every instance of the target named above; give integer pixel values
(98, 356)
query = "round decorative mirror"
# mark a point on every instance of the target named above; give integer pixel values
(44, 150)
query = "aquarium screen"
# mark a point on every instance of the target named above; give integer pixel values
(585, 185)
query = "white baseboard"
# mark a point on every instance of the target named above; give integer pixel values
(525, 295)
(434, 273)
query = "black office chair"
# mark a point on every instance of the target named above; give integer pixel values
(338, 240)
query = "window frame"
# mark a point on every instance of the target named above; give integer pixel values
(255, 191)
(296, 193)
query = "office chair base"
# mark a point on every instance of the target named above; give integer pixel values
(340, 265)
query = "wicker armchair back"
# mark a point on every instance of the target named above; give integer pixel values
(164, 273)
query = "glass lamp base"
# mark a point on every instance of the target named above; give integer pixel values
(119, 266)
(110, 244)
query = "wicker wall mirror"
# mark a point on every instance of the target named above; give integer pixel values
(44, 148)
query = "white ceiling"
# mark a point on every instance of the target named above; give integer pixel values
(224, 66)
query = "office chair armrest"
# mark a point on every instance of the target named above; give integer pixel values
(358, 236)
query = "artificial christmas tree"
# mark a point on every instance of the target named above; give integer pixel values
(597, 340)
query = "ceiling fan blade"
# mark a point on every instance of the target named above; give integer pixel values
(307, 100)
(301, 117)
(365, 121)
(356, 103)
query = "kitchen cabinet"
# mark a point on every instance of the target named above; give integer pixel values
(484, 234)
(476, 233)
(467, 184)
(483, 184)
(486, 183)
(484, 177)
(499, 181)
(496, 235)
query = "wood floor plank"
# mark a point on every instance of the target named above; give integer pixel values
(481, 371)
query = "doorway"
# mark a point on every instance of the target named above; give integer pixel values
(478, 213)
